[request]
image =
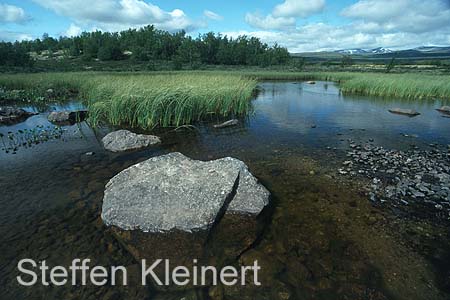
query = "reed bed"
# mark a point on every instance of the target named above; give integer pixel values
(148, 100)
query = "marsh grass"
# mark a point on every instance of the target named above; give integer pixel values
(147, 100)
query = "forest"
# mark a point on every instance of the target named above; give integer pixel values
(148, 44)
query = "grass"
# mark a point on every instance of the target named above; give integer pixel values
(145, 100)
(165, 99)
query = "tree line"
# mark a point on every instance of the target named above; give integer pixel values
(148, 44)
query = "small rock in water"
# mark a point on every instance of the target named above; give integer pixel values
(311, 82)
(89, 153)
(67, 116)
(232, 122)
(11, 115)
(124, 140)
(313, 126)
(403, 111)
(444, 109)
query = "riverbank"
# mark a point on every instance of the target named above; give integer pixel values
(147, 100)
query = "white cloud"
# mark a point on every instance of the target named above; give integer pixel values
(212, 15)
(298, 8)
(73, 30)
(120, 14)
(414, 16)
(269, 22)
(393, 24)
(284, 15)
(12, 14)
(325, 37)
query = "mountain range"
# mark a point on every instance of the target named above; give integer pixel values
(378, 50)
(424, 52)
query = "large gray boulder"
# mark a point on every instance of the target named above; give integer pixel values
(175, 192)
(124, 140)
(182, 209)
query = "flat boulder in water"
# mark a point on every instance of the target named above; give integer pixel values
(11, 115)
(404, 111)
(124, 140)
(444, 109)
(173, 207)
(69, 117)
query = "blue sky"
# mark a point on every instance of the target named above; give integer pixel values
(299, 25)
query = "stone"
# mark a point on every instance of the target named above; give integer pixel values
(404, 111)
(229, 123)
(10, 115)
(444, 109)
(173, 207)
(311, 82)
(124, 140)
(71, 117)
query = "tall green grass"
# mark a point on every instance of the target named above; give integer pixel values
(147, 100)
(406, 86)
(164, 99)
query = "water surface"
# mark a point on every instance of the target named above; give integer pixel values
(325, 240)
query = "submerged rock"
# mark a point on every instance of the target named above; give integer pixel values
(11, 115)
(173, 207)
(404, 111)
(444, 109)
(67, 116)
(232, 122)
(124, 140)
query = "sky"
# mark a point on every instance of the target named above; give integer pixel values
(299, 25)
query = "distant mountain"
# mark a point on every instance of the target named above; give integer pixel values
(351, 51)
(380, 53)
(379, 50)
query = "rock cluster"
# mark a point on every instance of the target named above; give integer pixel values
(403, 177)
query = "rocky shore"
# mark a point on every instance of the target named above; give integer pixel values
(412, 178)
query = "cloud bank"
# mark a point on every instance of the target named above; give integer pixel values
(367, 24)
(111, 15)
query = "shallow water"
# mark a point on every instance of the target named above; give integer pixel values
(325, 241)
